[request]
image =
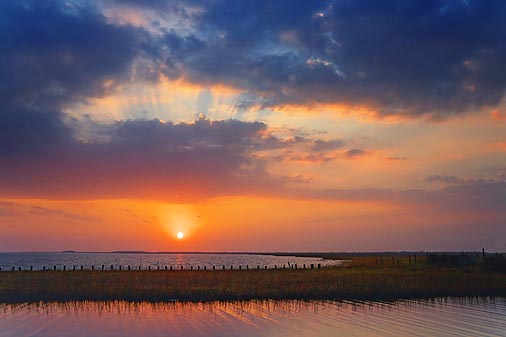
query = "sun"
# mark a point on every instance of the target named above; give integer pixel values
(180, 235)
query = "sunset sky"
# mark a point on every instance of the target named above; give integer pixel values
(255, 125)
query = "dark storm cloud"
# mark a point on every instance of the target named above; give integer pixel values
(55, 54)
(398, 57)
(149, 159)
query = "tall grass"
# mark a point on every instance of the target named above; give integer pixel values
(361, 280)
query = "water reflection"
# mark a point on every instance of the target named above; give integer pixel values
(436, 317)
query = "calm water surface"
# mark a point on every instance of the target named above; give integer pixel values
(437, 317)
(49, 260)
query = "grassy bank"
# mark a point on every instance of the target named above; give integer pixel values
(352, 282)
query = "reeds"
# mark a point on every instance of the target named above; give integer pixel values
(356, 281)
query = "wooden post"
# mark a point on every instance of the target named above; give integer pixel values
(19, 269)
(43, 268)
(82, 267)
(409, 256)
(191, 267)
(157, 267)
(54, 268)
(223, 267)
(92, 267)
(31, 268)
(129, 267)
(149, 267)
(64, 267)
(205, 267)
(414, 257)
(304, 265)
(139, 268)
(295, 266)
(483, 254)
(120, 267)
(393, 260)
(170, 267)
(165, 268)
(103, 266)
(214, 267)
(112, 267)
(319, 265)
(231, 267)
(312, 266)
(73, 267)
(198, 267)
(240, 267)
(13, 268)
(381, 259)
(258, 267)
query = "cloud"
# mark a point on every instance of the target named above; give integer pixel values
(409, 58)
(444, 179)
(14, 209)
(152, 159)
(354, 153)
(498, 116)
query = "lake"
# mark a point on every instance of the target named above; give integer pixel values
(48, 260)
(435, 317)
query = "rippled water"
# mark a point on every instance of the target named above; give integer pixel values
(87, 260)
(437, 317)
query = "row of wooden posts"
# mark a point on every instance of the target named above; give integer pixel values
(411, 259)
(168, 268)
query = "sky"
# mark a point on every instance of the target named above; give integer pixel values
(248, 125)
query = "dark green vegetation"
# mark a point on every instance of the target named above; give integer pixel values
(363, 278)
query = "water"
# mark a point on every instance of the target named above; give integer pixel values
(87, 260)
(437, 317)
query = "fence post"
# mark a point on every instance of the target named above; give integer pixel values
(43, 268)
(112, 267)
(139, 268)
(31, 268)
(54, 268)
(64, 267)
(19, 268)
(414, 257)
(312, 266)
(103, 266)
(319, 265)
(92, 267)
(483, 253)
(82, 267)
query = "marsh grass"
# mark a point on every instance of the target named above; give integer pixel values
(362, 279)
